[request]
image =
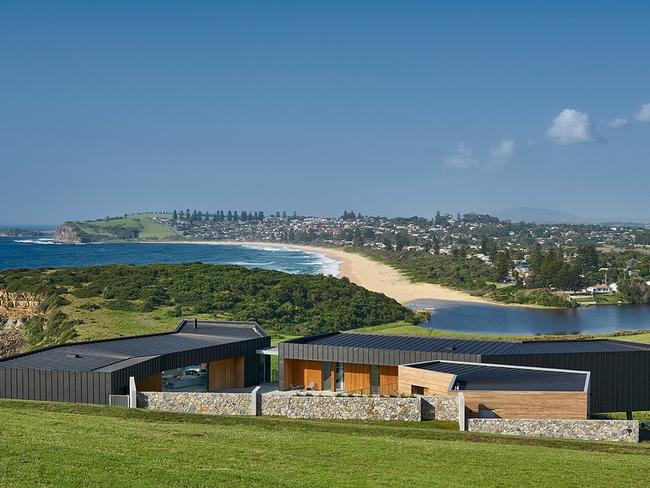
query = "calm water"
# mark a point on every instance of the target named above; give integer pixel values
(38, 253)
(494, 319)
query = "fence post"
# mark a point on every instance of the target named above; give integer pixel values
(255, 401)
(461, 412)
(133, 393)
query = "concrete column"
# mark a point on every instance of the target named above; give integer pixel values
(133, 393)
(255, 401)
(461, 412)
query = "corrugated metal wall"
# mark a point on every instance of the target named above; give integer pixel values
(620, 381)
(57, 386)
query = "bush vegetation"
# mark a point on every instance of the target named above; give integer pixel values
(281, 302)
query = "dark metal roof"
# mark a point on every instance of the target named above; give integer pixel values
(466, 346)
(481, 376)
(113, 354)
(411, 343)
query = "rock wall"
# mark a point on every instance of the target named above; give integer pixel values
(592, 430)
(440, 408)
(342, 408)
(297, 407)
(197, 402)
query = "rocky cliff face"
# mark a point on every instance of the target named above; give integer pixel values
(16, 307)
(68, 234)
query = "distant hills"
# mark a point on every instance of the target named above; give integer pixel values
(541, 216)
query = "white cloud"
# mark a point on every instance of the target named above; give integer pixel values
(505, 150)
(462, 157)
(618, 122)
(571, 127)
(644, 113)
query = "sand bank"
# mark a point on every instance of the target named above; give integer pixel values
(375, 276)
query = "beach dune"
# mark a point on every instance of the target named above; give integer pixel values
(376, 276)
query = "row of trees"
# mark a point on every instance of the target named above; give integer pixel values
(229, 216)
(218, 216)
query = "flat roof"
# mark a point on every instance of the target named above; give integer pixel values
(497, 377)
(467, 346)
(111, 354)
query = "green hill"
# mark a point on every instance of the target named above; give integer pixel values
(73, 445)
(98, 302)
(129, 227)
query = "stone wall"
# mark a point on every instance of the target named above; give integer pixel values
(197, 402)
(440, 408)
(592, 430)
(342, 408)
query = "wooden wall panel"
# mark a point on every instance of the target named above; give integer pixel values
(303, 372)
(226, 373)
(433, 382)
(150, 383)
(528, 404)
(356, 378)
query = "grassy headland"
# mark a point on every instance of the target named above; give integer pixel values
(69, 445)
(118, 300)
(141, 227)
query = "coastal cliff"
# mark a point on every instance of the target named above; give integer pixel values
(68, 234)
(15, 309)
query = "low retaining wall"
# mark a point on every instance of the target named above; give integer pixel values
(197, 402)
(591, 430)
(342, 408)
(440, 408)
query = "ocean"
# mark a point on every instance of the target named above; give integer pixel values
(42, 253)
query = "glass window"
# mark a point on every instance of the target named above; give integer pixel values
(327, 375)
(189, 378)
(340, 375)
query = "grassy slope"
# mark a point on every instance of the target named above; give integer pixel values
(147, 227)
(73, 445)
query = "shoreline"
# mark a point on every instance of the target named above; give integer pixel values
(372, 275)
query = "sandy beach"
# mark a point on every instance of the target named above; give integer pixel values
(375, 276)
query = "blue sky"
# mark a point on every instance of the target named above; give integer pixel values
(392, 108)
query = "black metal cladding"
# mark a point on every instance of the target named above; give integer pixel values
(620, 371)
(28, 381)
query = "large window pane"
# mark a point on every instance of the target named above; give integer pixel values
(188, 378)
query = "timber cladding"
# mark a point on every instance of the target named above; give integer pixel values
(150, 383)
(527, 404)
(356, 378)
(226, 373)
(302, 372)
(433, 382)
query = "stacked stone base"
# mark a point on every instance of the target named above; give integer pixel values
(588, 430)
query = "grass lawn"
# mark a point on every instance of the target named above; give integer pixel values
(76, 445)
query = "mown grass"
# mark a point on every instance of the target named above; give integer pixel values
(47, 444)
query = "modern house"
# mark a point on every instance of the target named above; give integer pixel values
(355, 362)
(501, 391)
(509, 379)
(197, 356)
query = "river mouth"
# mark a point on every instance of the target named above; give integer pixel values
(477, 318)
